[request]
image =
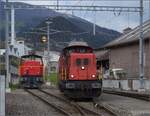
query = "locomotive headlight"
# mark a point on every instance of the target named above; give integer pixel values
(82, 67)
(71, 76)
(93, 76)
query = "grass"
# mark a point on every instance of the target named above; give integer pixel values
(52, 78)
(13, 87)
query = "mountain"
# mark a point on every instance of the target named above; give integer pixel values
(70, 28)
(25, 18)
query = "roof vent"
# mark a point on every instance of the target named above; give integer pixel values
(127, 30)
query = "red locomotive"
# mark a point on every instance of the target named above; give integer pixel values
(31, 71)
(78, 77)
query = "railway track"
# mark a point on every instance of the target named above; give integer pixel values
(47, 102)
(142, 96)
(64, 106)
(98, 109)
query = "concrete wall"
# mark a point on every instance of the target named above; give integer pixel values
(125, 84)
(122, 84)
(127, 57)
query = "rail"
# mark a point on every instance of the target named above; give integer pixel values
(82, 110)
(48, 103)
(142, 96)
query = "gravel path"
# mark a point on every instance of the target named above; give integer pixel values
(20, 103)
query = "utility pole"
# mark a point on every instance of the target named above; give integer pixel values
(12, 24)
(94, 24)
(141, 48)
(149, 9)
(48, 45)
(2, 95)
(7, 47)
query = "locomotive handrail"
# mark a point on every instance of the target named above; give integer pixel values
(33, 66)
(74, 48)
(65, 75)
(62, 73)
(28, 56)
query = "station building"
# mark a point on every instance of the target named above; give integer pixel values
(123, 52)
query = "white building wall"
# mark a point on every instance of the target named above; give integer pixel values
(18, 49)
(2, 51)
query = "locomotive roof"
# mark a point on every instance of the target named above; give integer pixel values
(76, 46)
(26, 56)
(76, 43)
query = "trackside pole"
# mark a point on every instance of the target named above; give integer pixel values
(7, 48)
(141, 49)
(2, 95)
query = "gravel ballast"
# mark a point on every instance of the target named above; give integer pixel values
(21, 103)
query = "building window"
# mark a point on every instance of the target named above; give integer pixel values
(20, 42)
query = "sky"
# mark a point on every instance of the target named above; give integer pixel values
(104, 19)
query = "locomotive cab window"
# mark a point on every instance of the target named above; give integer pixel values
(85, 61)
(78, 62)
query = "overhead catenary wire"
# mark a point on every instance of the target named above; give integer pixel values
(72, 0)
(81, 8)
(77, 2)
